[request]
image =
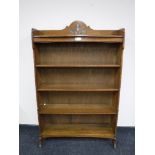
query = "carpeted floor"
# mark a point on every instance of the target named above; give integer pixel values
(28, 136)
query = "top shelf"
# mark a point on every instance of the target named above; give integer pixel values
(77, 39)
(77, 66)
(78, 32)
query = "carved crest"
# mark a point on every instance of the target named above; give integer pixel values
(77, 28)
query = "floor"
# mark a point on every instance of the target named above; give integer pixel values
(28, 137)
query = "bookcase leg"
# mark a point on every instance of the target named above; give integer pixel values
(114, 143)
(40, 142)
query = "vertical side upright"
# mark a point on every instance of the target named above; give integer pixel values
(118, 84)
(36, 83)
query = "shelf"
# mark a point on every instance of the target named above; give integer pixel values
(76, 109)
(74, 87)
(83, 98)
(74, 54)
(77, 130)
(78, 77)
(82, 39)
(77, 66)
(78, 90)
(103, 36)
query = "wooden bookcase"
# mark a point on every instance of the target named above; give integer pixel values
(78, 77)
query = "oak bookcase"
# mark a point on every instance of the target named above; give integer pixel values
(78, 77)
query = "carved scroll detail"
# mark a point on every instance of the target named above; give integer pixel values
(77, 28)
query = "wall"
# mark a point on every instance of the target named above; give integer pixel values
(56, 14)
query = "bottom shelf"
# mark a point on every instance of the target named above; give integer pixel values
(78, 130)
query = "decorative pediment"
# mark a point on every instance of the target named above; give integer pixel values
(77, 28)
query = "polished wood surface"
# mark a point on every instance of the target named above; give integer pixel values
(72, 79)
(74, 54)
(76, 109)
(78, 66)
(77, 130)
(78, 80)
(76, 29)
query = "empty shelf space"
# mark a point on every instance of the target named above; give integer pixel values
(70, 54)
(77, 79)
(76, 109)
(76, 66)
(77, 130)
(76, 102)
(74, 87)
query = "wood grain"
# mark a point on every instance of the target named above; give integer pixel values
(74, 54)
(77, 130)
(76, 109)
(79, 78)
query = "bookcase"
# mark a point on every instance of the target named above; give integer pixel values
(78, 79)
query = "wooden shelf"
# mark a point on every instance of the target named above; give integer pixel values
(76, 109)
(77, 66)
(103, 36)
(78, 78)
(77, 130)
(74, 39)
(74, 87)
(74, 54)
